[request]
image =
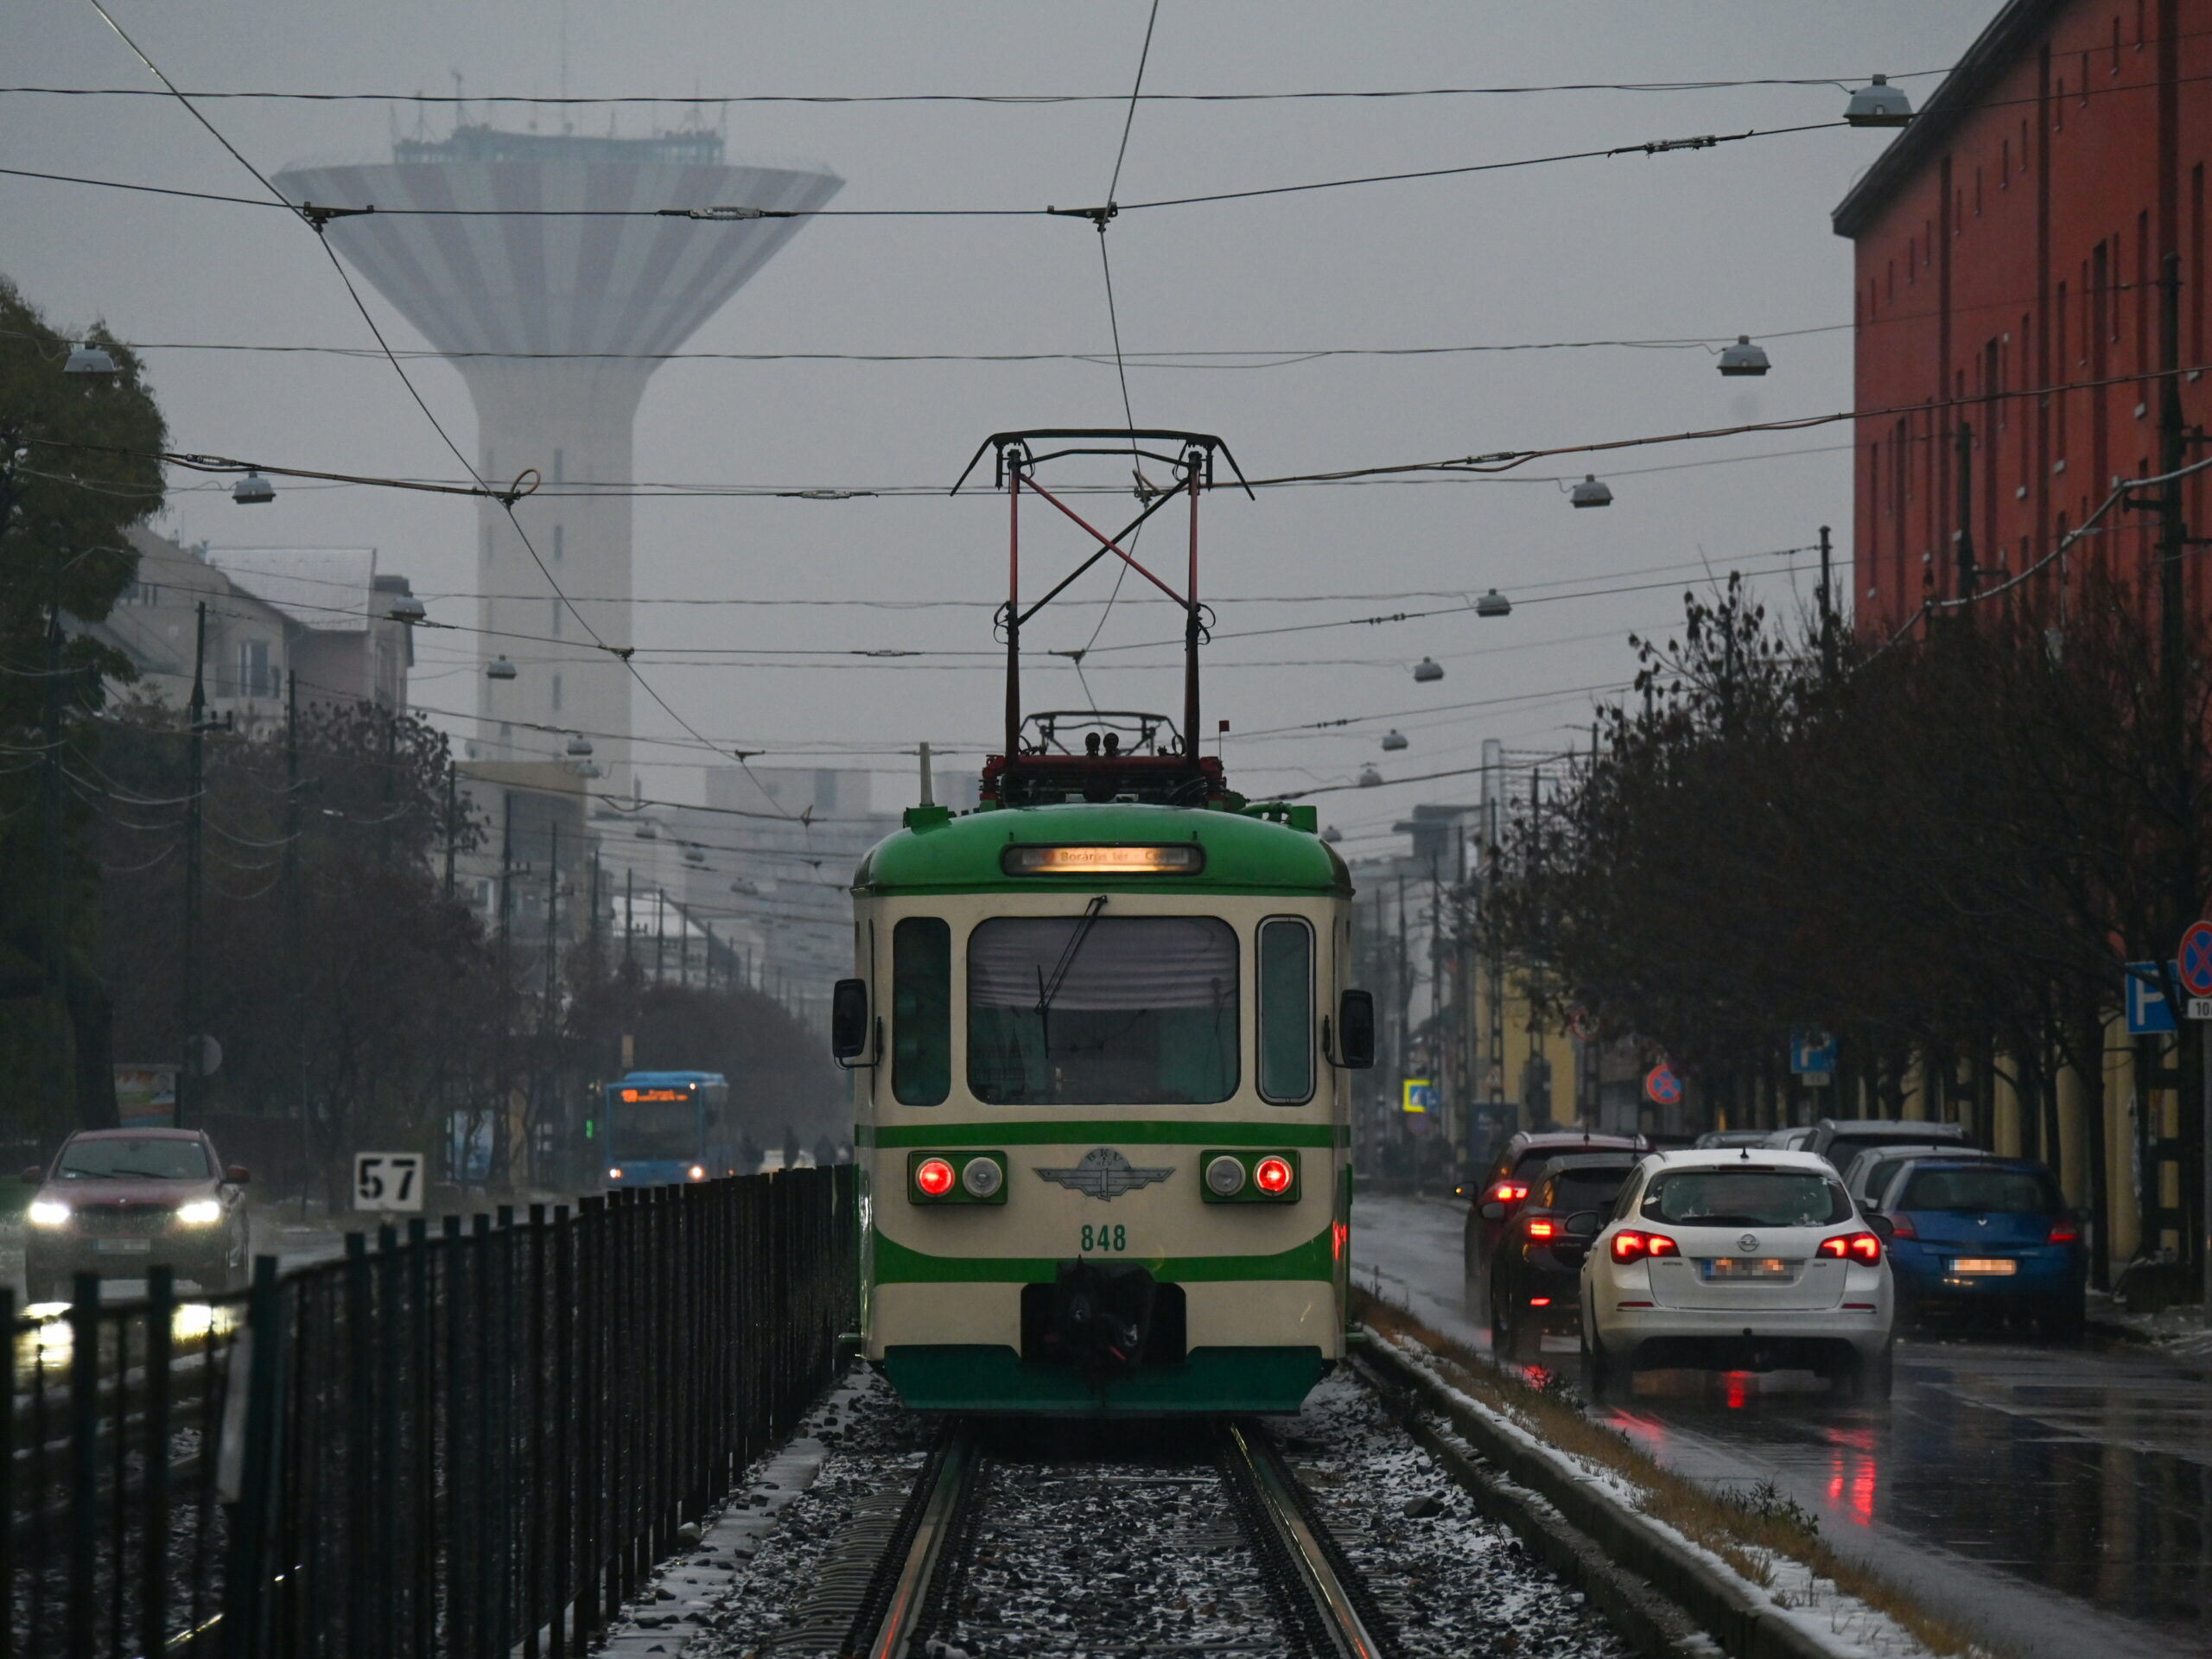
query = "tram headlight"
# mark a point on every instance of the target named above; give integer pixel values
(982, 1178)
(1225, 1176)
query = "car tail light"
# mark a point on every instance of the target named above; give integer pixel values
(1901, 1227)
(934, 1177)
(1628, 1245)
(1272, 1174)
(1508, 1192)
(1540, 1301)
(1853, 1247)
(2066, 1231)
(1540, 1228)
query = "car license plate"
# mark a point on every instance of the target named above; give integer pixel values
(1745, 1266)
(123, 1246)
(1996, 1267)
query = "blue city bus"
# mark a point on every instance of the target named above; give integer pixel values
(660, 1128)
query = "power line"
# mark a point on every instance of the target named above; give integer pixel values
(699, 100)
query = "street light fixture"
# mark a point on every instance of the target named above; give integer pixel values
(1393, 738)
(1743, 358)
(1368, 777)
(1878, 105)
(498, 669)
(1493, 603)
(408, 608)
(1591, 493)
(253, 491)
(579, 747)
(1428, 671)
(88, 358)
(1333, 835)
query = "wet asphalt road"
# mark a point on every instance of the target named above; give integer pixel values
(2052, 1501)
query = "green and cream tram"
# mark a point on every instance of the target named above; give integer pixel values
(1102, 1036)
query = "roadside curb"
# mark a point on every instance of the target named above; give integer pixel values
(1637, 1570)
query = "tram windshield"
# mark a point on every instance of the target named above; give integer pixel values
(1101, 1011)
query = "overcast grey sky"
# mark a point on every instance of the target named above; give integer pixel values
(1700, 243)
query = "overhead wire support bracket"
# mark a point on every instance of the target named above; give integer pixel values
(318, 218)
(1704, 141)
(1097, 216)
(722, 215)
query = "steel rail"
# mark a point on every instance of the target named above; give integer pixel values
(1277, 1489)
(902, 1618)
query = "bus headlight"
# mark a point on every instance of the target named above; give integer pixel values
(614, 1174)
(47, 1213)
(698, 1173)
(201, 1212)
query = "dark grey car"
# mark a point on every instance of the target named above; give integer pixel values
(117, 1202)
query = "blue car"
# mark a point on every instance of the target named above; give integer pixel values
(1990, 1235)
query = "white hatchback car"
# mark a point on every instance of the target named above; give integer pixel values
(1736, 1259)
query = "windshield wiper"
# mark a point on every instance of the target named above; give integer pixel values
(1047, 989)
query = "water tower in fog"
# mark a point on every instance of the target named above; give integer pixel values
(567, 314)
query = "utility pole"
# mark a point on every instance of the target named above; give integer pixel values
(57, 926)
(630, 915)
(1827, 627)
(1968, 575)
(188, 1076)
(390, 744)
(453, 822)
(2173, 649)
(660, 933)
(293, 828)
(552, 920)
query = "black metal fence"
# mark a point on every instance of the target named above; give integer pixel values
(450, 1445)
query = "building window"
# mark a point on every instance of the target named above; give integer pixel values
(556, 690)
(254, 679)
(2146, 295)
(1911, 259)
(2058, 108)
(2085, 78)
(1977, 193)
(2196, 265)
(2115, 46)
(2024, 144)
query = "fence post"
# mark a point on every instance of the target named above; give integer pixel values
(83, 1459)
(153, 1515)
(250, 1434)
(8, 1485)
(360, 1474)
(390, 1478)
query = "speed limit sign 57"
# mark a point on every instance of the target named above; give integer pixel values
(388, 1180)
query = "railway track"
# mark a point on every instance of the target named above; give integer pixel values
(1199, 1541)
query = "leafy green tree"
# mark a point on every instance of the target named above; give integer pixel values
(77, 469)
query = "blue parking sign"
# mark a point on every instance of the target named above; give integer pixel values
(2149, 1013)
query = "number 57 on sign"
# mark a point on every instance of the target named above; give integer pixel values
(388, 1181)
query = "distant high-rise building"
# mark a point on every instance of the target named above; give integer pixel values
(557, 289)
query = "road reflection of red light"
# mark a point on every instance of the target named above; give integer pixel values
(1851, 1485)
(1739, 1392)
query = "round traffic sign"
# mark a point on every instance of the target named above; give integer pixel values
(1662, 1086)
(2193, 962)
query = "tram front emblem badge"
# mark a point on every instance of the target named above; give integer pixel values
(1103, 1173)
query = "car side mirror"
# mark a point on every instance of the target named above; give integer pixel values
(1583, 1224)
(848, 1019)
(1493, 1210)
(1356, 1030)
(237, 1174)
(1884, 1229)
(33, 1175)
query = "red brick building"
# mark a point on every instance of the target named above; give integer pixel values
(2009, 247)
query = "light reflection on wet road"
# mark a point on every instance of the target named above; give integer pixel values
(2053, 1501)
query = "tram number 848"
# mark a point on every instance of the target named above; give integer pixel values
(1103, 1237)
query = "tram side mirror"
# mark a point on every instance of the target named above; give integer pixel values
(1583, 1224)
(1884, 1229)
(1356, 1030)
(848, 1019)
